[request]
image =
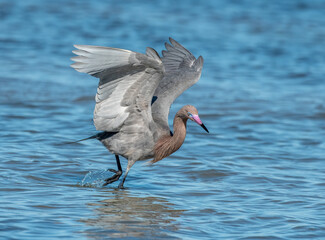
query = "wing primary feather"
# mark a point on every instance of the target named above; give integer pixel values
(179, 46)
(152, 53)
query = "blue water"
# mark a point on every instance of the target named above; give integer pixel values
(259, 174)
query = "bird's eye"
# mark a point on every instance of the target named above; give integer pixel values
(189, 114)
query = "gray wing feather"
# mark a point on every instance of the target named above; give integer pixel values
(182, 70)
(123, 75)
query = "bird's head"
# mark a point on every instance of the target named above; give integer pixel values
(192, 114)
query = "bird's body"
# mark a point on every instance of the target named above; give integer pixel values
(134, 96)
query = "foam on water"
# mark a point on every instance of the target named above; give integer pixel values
(95, 178)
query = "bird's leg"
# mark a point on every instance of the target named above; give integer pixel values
(130, 164)
(117, 174)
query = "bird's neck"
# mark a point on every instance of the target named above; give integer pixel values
(167, 145)
(179, 135)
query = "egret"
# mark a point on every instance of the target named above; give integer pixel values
(133, 99)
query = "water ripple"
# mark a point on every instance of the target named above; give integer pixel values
(259, 174)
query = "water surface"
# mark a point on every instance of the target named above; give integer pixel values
(259, 174)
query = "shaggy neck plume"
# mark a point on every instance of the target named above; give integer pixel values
(166, 145)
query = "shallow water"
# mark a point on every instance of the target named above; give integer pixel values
(259, 174)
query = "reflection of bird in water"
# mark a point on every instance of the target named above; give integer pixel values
(134, 96)
(122, 215)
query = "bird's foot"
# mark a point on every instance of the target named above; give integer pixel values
(120, 186)
(114, 178)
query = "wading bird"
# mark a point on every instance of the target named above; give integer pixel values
(133, 99)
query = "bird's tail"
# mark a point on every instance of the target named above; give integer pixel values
(92, 137)
(99, 136)
(80, 140)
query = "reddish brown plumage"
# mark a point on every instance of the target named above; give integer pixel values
(167, 144)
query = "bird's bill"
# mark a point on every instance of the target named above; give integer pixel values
(202, 125)
(197, 119)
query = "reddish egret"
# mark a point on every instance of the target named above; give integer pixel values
(133, 99)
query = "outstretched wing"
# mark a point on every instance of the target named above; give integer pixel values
(127, 83)
(182, 70)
